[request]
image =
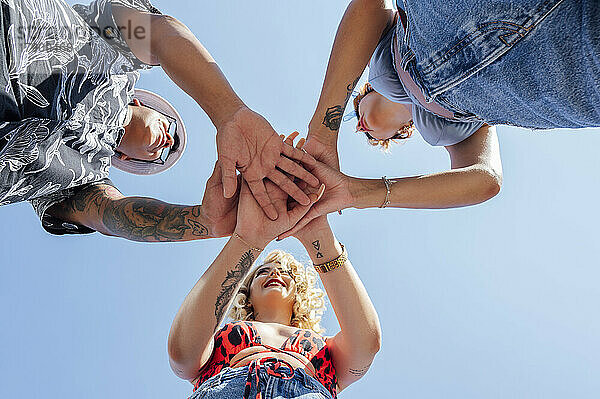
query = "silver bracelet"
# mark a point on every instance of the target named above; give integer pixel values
(388, 187)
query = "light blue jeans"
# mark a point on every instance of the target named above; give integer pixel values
(528, 63)
(230, 384)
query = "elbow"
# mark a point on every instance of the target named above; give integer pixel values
(377, 340)
(177, 352)
(373, 343)
(489, 186)
(493, 184)
(178, 360)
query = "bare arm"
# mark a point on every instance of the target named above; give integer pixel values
(354, 347)
(357, 36)
(190, 338)
(475, 177)
(185, 60)
(245, 140)
(104, 209)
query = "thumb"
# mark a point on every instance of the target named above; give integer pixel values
(228, 178)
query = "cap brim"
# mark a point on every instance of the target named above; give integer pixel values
(161, 105)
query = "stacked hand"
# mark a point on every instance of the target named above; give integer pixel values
(259, 230)
(249, 144)
(242, 209)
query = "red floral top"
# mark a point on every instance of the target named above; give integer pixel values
(236, 336)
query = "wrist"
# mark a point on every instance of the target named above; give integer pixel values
(256, 245)
(366, 193)
(229, 112)
(306, 236)
(322, 246)
(324, 135)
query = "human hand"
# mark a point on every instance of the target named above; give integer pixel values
(337, 196)
(257, 229)
(220, 212)
(249, 144)
(323, 151)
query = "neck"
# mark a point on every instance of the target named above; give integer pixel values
(274, 315)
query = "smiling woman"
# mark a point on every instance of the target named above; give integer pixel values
(291, 281)
(273, 345)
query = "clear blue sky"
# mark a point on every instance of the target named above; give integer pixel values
(493, 301)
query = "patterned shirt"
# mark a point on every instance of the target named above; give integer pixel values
(66, 78)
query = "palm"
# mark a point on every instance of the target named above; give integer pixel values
(249, 144)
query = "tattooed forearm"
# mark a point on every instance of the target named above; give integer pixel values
(359, 372)
(103, 207)
(333, 115)
(230, 284)
(147, 219)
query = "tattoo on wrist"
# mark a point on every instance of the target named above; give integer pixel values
(145, 219)
(230, 284)
(317, 246)
(333, 118)
(334, 114)
(359, 372)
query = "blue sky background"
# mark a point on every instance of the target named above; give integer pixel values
(498, 300)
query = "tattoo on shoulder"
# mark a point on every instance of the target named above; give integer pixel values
(334, 114)
(230, 284)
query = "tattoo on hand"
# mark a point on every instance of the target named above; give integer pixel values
(198, 229)
(359, 372)
(333, 115)
(230, 284)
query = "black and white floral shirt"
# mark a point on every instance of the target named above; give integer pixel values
(66, 78)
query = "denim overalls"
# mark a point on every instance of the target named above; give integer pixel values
(528, 63)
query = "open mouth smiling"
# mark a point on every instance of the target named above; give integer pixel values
(273, 282)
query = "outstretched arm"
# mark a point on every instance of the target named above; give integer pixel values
(357, 36)
(103, 208)
(354, 347)
(245, 140)
(475, 177)
(190, 338)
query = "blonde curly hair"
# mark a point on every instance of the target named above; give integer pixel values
(403, 133)
(309, 303)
